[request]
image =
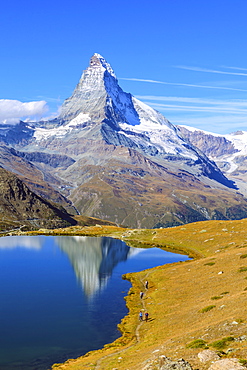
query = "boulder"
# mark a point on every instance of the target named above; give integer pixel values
(227, 364)
(208, 356)
(167, 364)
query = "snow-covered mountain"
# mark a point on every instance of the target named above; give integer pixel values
(118, 159)
(124, 120)
(100, 109)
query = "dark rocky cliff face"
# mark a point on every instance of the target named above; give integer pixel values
(20, 206)
(53, 160)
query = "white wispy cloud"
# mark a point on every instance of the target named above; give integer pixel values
(236, 102)
(199, 69)
(182, 84)
(237, 68)
(11, 111)
(218, 109)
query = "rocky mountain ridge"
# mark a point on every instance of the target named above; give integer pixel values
(229, 152)
(20, 207)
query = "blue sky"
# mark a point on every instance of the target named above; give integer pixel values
(185, 58)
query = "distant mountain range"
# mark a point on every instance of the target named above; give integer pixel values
(110, 156)
(229, 152)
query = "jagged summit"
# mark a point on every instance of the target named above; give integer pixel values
(98, 97)
(97, 61)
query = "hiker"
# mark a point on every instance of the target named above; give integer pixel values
(146, 284)
(141, 295)
(146, 316)
(140, 316)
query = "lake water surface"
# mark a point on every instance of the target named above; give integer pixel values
(61, 297)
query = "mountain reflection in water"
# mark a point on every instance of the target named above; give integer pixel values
(93, 259)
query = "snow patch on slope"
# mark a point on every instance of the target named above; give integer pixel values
(154, 129)
(61, 131)
(239, 141)
(194, 129)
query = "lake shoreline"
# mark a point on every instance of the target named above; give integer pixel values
(129, 323)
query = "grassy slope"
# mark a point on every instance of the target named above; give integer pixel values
(177, 294)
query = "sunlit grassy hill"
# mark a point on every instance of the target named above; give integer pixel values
(193, 305)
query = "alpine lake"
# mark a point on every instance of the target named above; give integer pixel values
(63, 296)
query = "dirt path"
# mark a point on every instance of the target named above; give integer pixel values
(137, 333)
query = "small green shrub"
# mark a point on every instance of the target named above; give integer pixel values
(243, 256)
(197, 343)
(222, 343)
(216, 297)
(209, 264)
(229, 339)
(242, 269)
(242, 361)
(224, 293)
(239, 321)
(206, 309)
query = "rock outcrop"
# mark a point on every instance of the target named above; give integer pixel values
(165, 363)
(212, 145)
(227, 364)
(208, 356)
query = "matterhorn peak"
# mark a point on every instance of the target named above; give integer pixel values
(98, 95)
(99, 100)
(97, 61)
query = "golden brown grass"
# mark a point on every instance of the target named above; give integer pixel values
(181, 296)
